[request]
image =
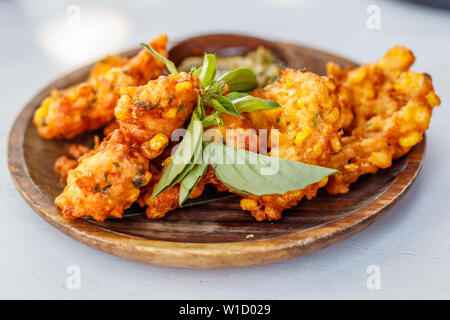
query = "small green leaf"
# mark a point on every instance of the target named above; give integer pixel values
(169, 64)
(189, 182)
(147, 105)
(251, 173)
(208, 70)
(241, 79)
(248, 103)
(316, 118)
(184, 157)
(224, 105)
(212, 120)
(197, 71)
(233, 96)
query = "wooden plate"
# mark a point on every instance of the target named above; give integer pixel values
(211, 235)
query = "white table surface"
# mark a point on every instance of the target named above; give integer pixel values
(410, 245)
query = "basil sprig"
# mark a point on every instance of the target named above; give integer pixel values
(169, 64)
(240, 170)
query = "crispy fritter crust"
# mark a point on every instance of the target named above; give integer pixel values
(90, 104)
(308, 122)
(387, 109)
(64, 163)
(106, 181)
(149, 114)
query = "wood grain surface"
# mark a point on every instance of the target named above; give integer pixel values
(210, 235)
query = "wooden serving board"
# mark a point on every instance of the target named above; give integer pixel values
(211, 235)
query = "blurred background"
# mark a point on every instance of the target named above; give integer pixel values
(42, 40)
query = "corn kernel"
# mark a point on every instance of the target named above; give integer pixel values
(318, 149)
(336, 144)
(323, 182)
(153, 148)
(300, 104)
(185, 85)
(357, 75)
(158, 142)
(334, 115)
(405, 82)
(249, 204)
(330, 84)
(42, 111)
(375, 123)
(422, 116)
(433, 99)
(410, 140)
(351, 167)
(343, 189)
(121, 110)
(302, 135)
(380, 159)
(171, 113)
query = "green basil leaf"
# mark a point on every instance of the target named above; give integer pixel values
(184, 157)
(196, 72)
(208, 70)
(169, 64)
(248, 103)
(190, 181)
(241, 79)
(256, 174)
(236, 95)
(222, 104)
(212, 120)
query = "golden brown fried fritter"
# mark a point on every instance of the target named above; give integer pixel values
(90, 105)
(308, 123)
(149, 114)
(106, 181)
(388, 108)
